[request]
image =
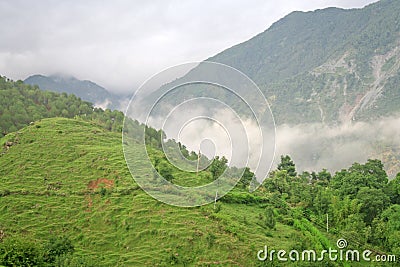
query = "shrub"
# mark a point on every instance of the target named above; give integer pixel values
(57, 247)
(269, 221)
(14, 252)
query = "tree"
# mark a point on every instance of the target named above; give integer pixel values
(341, 209)
(373, 202)
(349, 182)
(287, 165)
(218, 166)
(57, 247)
(322, 178)
(15, 252)
(322, 201)
(277, 182)
(246, 178)
(386, 229)
(392, 189)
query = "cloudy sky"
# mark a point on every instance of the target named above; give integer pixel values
(118, 44)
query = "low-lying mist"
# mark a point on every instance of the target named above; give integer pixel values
(317, 146)
(313, 147)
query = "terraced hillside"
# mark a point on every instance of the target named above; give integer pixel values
(64, 177)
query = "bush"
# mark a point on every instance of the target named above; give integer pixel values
(269, 221)
(56, 247)
(14, 252)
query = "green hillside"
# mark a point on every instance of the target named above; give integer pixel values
(67, 178)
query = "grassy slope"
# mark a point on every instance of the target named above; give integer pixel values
(47, 180)
(125, 226)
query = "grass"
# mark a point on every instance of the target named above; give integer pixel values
(64, 177)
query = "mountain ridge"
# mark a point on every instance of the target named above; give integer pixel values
(85, 89)
(282, 56)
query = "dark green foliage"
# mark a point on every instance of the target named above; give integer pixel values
(58, 247)
(371, 175)
(393, 190)
(287, 165)
(218, 166)
(278, 182)
(386, 229)
(269, 218)
(373, 202)
(21, 104)
(357, 201)
(244, 197)
(165, 170)
(16, 252)
(153, 137)
(246, 179)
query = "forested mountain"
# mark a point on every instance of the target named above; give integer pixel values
(330, 65)
(21, 104)
(86, 90)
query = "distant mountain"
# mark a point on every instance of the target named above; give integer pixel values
(86, 90)
(330, 65)
(322, 72)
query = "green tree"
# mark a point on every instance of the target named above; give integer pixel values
(57, 247)
(15, 252)
(322, 201)
(246, 178)
(349, 182)
(287, 165)
(373, 202)
(277, 182)
(218, 166)
(165, 170)
(392, 189)
(386, 229)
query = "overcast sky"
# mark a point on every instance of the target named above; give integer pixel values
(118, 44)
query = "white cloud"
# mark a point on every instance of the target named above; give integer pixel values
(119, 44)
